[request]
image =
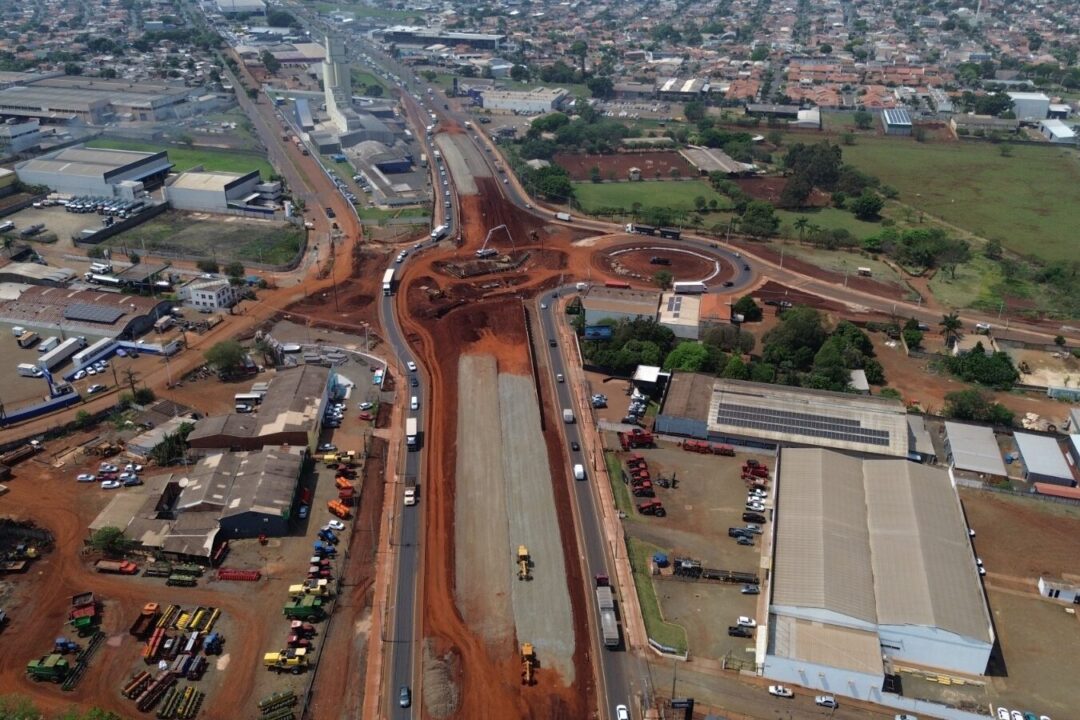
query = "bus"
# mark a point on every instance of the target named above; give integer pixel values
(689, 288)
(388, 282)
(247, 398)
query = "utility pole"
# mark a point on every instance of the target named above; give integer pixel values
(130, 375)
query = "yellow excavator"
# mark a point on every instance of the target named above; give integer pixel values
(524, 563)
(528, 664)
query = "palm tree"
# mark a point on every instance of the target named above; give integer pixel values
(950, 326)
(801, 224)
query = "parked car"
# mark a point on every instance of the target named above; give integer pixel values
(86, 477)
(108, 467)
(746, 621)
(739, 631)
(110, 484)
(336, 525)
(327, 447)
(80, 375)
(96, 388)
(912, 717)
(1003, 713)
(781, 691)
(366, 405)
(132, 481)
(826, 701)
(753, 529)
(125, 476)
(743, 540)
(751, 590)
(303, 512)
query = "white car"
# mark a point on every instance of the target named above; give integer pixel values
(86, 477)
(826, 701)
(94, 389)
(133, 467)
(110, 484)
(1017, 715)
(621, 713)
(1003, 713)
(91, 371)
(366, 405)
(411, 365)
(410, 496)
(746, 622)
(781, 691)
(336, 525)
(80, 375)
(106, 467)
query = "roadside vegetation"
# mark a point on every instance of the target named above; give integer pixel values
(658, 629)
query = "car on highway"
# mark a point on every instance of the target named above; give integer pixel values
(745, 621)
(330, 212)
(574, 446)
(781, 691)
(336, 525)
(559, 378)
(413, 382)
(827, 701)
(621, 713)
(404, 697)
(86, 477)
(728, 283)
(411, 365)
(410, 496)
(110, 484)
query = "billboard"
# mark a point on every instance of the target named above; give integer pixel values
(598, 332)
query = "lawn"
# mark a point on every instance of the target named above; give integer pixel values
(663, 632)
(362, 78)
(175, 233)
(828, 218)
(838, 261)
(618, 487)
(677, 195)
(186, 158)
(1030, 200)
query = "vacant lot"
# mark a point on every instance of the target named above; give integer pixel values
(213, 236)
(1030, 200)
(676, 195)
(186, 158)
(617, 167)
(708, 499)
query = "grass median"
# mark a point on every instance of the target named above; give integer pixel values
(658, 629)
(618, 487)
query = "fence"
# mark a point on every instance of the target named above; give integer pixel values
(116, 228)
(979, 485)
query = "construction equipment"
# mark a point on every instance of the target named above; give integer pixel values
(320, 589)
(293, 660)
(180, 580)
(212, 644)
(636, 438)
(485, 251)
(652, 507)
(529, 664)
(524, 563)
(53, 668)
(643, 489)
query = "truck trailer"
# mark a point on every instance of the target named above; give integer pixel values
(388, 282)
(411, 433)
(61, 353)
(640, 229)
(609, 626)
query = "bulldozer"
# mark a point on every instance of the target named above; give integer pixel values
(524, 563)
(529, 664)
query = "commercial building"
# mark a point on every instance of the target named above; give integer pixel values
(222, 192)
(974, 124)
(18, 137)
(679, 313)
(80, 170)
(600, 303)
(1028, 106)
(872, 572)
(290, 414)
(941, 101)
(1059, 590)
(93, 312)
(1044, 462)
(65, 99)
(896, 121)
(537, 100)
(920, 444)
(416, 35)
(678, 89)
(210, 295)
(770, 416)
(35, 274)
(973, 449)
(709, 160)
(1058, 132)
(241, 7)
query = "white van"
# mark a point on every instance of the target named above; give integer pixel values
(415, 403)
(579, 472)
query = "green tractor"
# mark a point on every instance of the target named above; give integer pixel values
(53, 668)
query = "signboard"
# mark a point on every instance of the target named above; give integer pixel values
(598, 332)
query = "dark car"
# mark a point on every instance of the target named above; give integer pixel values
(330, 213)
(404, 697)
(574, 446)
(738, 532)
(413, 382)
(745, 267)
(728, 283)
(753, 517)
(659, 260)
(739, 631)
(552, 342)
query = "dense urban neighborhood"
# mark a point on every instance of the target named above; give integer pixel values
(410, 359)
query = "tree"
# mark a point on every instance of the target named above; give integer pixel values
(867, 206)
(991, 369)
(775, 138)
(82, 419)
(759, 219)
(234, 269)
(800, 224)
(271, 63)
(600, 86)
(993, 249)
(863, 120)
(736, 369)
(72, 69)
(1060, 341)
(594, 174)
(825, 49)
(110, 541)
(796, 340)
(749, 309)
(208, 265)
(950, 327)
(700, 203)
(663, 279)
(973, 404)
(133, 257)
(688, 357)
(694, 110)
(580, 50)
(796, 192)
(225, 355)
(518, 73)
(729, 338)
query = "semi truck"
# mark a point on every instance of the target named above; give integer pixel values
(689, 288)
(438, 233)
(28, 370)
(61, 352)
(48, 344)
(565, 217)
(609, 626)
(388, 282)
(640, 229)
(670, 233)
(411, 432)
(27, 339)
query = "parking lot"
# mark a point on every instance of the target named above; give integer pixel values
(56, 220)
(708, 498)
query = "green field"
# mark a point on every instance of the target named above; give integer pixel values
(828, 218)
(1029, 201)
(185, 158)
(623, 501)
(362, 77)
(677, 195)
(225, 240)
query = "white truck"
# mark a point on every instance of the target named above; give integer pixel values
(568, 416)
(565, 217)
(579, 472)
(28, 370)
(411, 433)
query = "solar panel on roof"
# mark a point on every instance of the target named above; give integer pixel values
(92, 313)
(795, 423)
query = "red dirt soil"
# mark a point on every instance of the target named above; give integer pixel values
(637, 264)
(648, 162)
(770, 188)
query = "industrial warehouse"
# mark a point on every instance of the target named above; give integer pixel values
(80, 170)
(873, 573)
(769, 416)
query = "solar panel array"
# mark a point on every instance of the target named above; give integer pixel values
(92, 313)
(674, 305)
(797, 423)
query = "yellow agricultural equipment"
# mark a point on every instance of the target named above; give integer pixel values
(524, 563)
(528, 664)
